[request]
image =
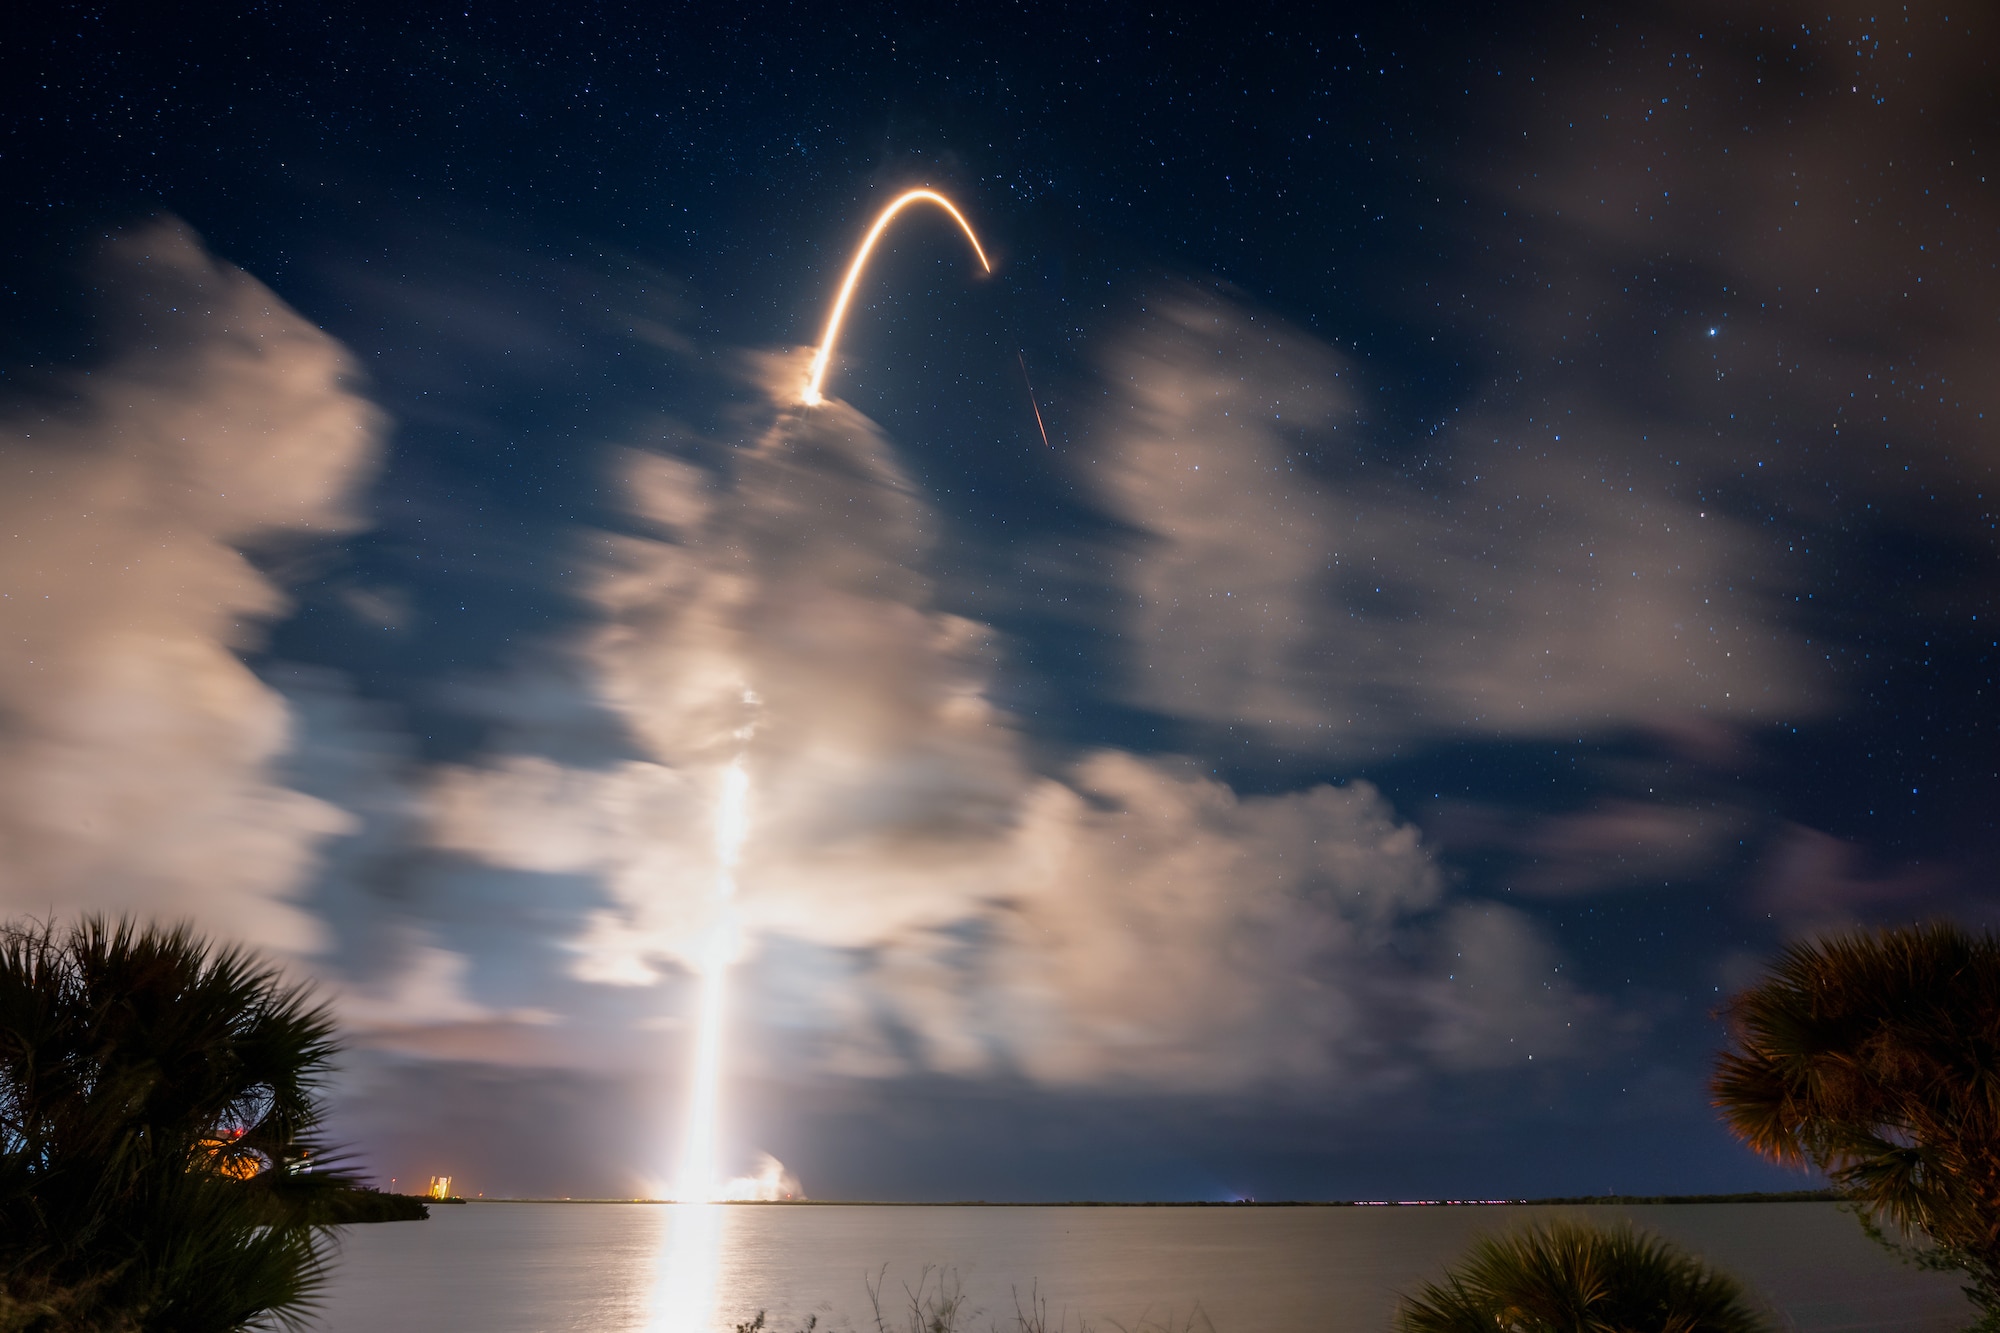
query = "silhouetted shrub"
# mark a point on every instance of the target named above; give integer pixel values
(1571, 1277)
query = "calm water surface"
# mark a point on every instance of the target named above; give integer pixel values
(628, 1268)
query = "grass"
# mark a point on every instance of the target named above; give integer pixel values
(938, 1304)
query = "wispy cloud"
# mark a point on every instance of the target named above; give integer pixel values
(1824, 347)
(1615, 844)
(1289, 580)
(137, 761)
(1813, 883)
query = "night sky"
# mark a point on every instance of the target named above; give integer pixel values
(1514, 547)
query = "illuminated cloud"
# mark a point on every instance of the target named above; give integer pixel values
(137, 763)
(958, 903)
(944, 903)
(424, 1009)
(1162, 930)
(1287, 581)
(877, 761)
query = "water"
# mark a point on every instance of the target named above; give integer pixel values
(650, 1268)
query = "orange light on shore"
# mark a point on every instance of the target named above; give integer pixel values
(824, 355)
(221, 1156)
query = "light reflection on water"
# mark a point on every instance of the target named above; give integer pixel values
(689, 1264)
(695, 1268)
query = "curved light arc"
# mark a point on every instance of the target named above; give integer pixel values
(824, 356)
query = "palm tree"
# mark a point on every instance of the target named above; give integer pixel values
(158, 1119)
(1875, 1056)
(1570, 1277)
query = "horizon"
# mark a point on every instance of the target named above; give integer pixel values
(1792, 1196)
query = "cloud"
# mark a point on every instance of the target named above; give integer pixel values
(920, 893)
(1814, 883)
(1614, 844)
(137, 751)
(1284, 579)
(384, 608)
(423, 1009)
(1830, 347)
(1503, 999)
(925, 891)
(1161, 930)
(781, 602)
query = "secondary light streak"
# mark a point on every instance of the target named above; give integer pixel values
(824, 355)
(1031, 399)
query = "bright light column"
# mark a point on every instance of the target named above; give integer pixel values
(700, 1176)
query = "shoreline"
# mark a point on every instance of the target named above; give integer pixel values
(1568, 1201)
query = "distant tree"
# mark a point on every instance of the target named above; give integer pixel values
(1875, 1056)
(158, 1113)
(1571, 1277)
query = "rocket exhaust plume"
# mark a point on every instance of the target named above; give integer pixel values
(699, 1177)
(824, 355)
(690, 1273)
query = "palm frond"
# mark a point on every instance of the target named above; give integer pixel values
(1571, 1277)
(1875, 1056)
(158, 1103)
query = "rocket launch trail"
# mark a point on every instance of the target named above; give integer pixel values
(699, 1177)
(831, 337)
(700, 1174)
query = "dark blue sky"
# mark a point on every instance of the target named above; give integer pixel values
(1596, 409)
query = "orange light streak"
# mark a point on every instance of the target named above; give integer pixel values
(824, 355)
(1031, 399)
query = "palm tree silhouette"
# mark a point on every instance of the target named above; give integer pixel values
(1570, 1277)
(1875, 1056)
(158, 1123)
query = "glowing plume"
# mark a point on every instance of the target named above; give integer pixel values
(832, 335)
(699, 1177)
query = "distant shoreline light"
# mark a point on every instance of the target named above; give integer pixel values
(1564, 1201)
